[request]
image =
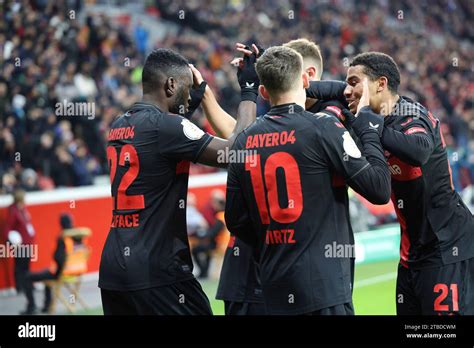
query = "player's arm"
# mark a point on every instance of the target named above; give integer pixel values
(327, 90)
(213, 153)
(413, 144)
(331, 93)
(180, 139)
(367, 174)
(246, 113)
(222, 123)
(237, 215)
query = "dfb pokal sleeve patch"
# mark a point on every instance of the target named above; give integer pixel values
(191, 131)
(350, 146)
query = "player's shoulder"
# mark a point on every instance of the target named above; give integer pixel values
(254, 128)
(164, 120)
(140, 113)
(407, 107)
(175, 125)
(411, 113)
(321, 121)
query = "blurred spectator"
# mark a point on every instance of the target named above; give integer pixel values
(202, 250)
(19, 220)
(141, 39)
(216, 204)
(46, 59)
(29, 180)
(56, 268)
(196, 223)
(62, 170)
(8, 183)
(74, 60)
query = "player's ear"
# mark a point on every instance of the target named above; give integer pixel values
(311, 71)
(305, 80)
(170, 86)
(382, 84)
(263, 92)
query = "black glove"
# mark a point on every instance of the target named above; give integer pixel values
(261, 50)
(248, 78)
(367, 121)
(196, 98)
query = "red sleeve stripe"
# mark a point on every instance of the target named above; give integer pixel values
(406, 122)
(337, 111)
(415, 130)
(432, 119)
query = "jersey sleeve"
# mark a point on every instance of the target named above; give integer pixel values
(366, 173)
(413, 144)
(341, 149)
(327, 90)
(237, 214)
(181, 139)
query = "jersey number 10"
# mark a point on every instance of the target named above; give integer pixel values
(293, 187)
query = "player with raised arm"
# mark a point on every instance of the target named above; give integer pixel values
(146, 265)
(281, 200)
(239, 285)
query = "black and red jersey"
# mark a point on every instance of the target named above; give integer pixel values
(149, 152)
(284, 201)
(437, 228)
(239, 280)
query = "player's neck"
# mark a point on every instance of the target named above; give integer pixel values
(388, 105)
(288, 98)
(161, 105)
(309, 103)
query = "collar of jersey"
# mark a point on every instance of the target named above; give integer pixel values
(391, 117)
(285, 109)
(142, 104)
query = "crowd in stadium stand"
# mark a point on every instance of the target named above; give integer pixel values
(98, 61)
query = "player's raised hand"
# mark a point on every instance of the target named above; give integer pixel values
(365, 98)
(246, 50)
(197, 77)
(197, 92)
(365, 119)
(246, 74)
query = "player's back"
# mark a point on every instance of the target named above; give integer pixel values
(299, 217)
(148, 154)
(239, 280)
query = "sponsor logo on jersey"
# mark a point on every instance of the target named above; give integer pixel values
(270, 139)
(121, 133)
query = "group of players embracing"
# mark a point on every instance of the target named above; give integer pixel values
(287, 197)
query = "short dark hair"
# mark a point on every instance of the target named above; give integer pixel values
(279, 68)
(377, 64)
(160, 64)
